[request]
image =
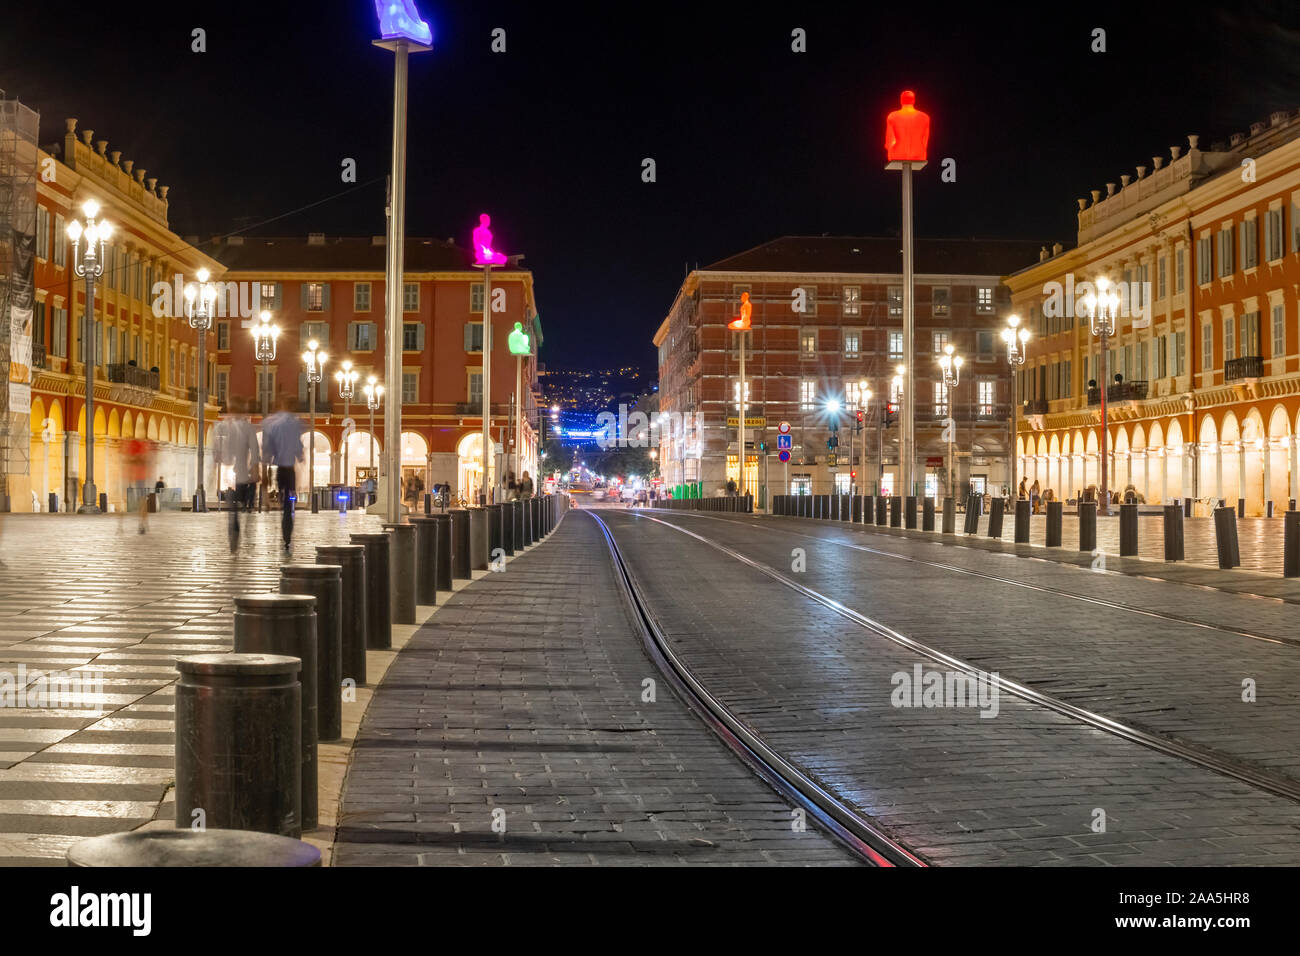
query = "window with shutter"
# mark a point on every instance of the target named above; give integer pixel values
(473, 336)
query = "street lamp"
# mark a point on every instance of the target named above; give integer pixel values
(896, 399)
(951, 365)
(315, 361)
(88, 264)
(1016, 338)
(265, 335)
(741, 324)
(347, 380)
(486, 255)
(1101, 308)
(199, 302)
(864, 400)
(374, 393)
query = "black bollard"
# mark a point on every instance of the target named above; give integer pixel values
(517, 514)
(868, 509)
(1291, 544)
(239, 743)
(882, 510)
(1055, 509)
(909, 512)
(1225, 537)
(996, 511)
(1021, 534)
(1173, 532)
(402, 565)
(949, 515)
(428, 503)
(324, 582)
(1128, 530)
(352, 606)
(460, 537)
(478, 539)
(1241, 507)
(1088, 526)
(285, 624)
(444, 551)
(379, 613)
(507, 528)
(927, 513)
(426, 560)
(971, 522)
(895, 511)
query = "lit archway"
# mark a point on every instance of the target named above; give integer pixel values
(321, 478)
(1278, 451)
(469, 464)
(1208, 453)
(1173, 462)
(1251, 462)
(1229, 460)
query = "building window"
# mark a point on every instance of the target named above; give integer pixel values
(1162, 266)
(410, 388)
(895, 345)
(807, 343)
(1279, 331)
(476, 297)
(361, 297)
(223, 336)
(810, 299)
(476, 388)
(1207, 346)
(1249, 334)
(1180, 353)
(1229, 341)
(940, 398)
(1180, 270)
(1249, 232)
(895, 300)
(852, 343)
(412, 337)
(1204, 264)
(1295, 227)
(1274, 235)
(852, 300)
(361, 336)
(853, 394)
(984, 300)
(410, 297)
(807, 395)
(1225, 252)
(223, 386)
(265, 387)
(59, 332)
(315, 297)
(984, 392)
(984, 345)
(940, 339)
(940, 299)
(60, 241)
(473, 336)
(320, 331)
(267, 295)
(42, 233)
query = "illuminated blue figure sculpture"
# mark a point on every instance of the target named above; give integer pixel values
(399, 18)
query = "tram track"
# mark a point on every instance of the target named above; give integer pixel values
(858, 832)
(1213, 761)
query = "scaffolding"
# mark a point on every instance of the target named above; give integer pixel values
(19, 127)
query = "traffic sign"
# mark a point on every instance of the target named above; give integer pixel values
(832, 460)
(784, 441)
(784, 428)
(784, 454)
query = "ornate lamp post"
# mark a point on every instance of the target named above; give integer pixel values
(741, 324)
(88, 264)
(347, 380)
(199, 301)
(374, 393)
(265, 335)
(1016, 339)
(315, 361)
(1101, 308)
(951, 365)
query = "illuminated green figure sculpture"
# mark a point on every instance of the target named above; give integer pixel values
(518, 340)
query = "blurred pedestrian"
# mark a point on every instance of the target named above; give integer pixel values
(137, 453)
(234, 444)
(526, 486)
(1034, 497)
(282, 449)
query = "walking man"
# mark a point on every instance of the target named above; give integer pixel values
(234, 443)
(282, 448)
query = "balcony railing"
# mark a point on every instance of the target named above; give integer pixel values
(38, 355)
(1132, 391)
(133, 375)
(1247, 366)
(1038, 406)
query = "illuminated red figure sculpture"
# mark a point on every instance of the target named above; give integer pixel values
(907, 131)
(741, 324)
(484, 254)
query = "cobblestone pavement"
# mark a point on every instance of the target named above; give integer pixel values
(88, 594)
(1024, 786)
(520, 704)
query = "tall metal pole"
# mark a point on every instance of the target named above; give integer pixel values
(740, 456)
(199, 495)
(487, 383)
(519, 417)
(311, 445)
(393, 325)
(266, 374)
(89, 499)
(346, 442)
(1103, 503)
(1011, 448)
(906, 445)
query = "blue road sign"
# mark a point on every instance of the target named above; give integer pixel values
(784, 441)
(784, 454)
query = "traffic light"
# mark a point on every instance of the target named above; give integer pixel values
(858, 427)
(833, 442)
(853, 474)
(891, 413)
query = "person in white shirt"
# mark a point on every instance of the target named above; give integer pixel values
(234, 444)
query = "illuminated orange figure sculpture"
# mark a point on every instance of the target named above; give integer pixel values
(907, 131)
(741, 324)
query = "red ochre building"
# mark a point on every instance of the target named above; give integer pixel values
(332, 290)
(851, 331)
(1209, 403)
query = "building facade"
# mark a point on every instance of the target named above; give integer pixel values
(332, 290)
(1203, 373)
(145, 354)
(827, 318)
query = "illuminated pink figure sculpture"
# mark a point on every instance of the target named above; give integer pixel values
(484, 254)
(907, 131)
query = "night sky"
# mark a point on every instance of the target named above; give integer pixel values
(751, 140)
